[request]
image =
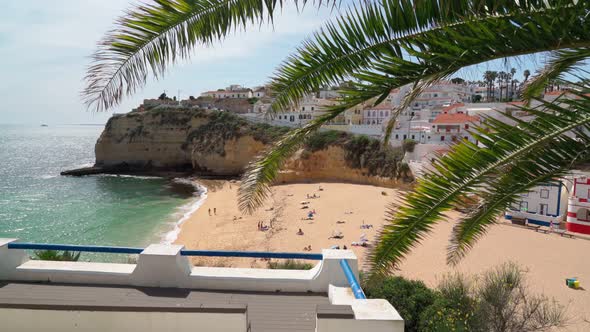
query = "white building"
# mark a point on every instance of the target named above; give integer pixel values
(232, 91)
(378, 114)
(541, 205)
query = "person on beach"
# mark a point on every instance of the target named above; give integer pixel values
(209, 211)
(215, 211)
(300, 232)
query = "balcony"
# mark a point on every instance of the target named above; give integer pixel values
(164, 292)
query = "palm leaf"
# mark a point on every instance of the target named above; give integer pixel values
(536, 149)
(150, 37)
(374, 38)
(560, 62)
(261, 172)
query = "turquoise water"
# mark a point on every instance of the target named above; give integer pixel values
(38, 205)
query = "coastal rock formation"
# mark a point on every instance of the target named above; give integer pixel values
(204, 142)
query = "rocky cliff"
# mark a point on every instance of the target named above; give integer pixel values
(222, 144)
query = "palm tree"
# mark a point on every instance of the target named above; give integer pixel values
(501, 79)
(526, 73)
(512, 85)
(382, 45)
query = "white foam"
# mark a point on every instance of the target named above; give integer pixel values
(186, 210)
(146, 177)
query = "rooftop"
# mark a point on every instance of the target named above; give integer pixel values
(455, 118)
(266, 311)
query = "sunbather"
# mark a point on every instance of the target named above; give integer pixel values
(300, 232)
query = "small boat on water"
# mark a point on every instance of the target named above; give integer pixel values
(44, 125)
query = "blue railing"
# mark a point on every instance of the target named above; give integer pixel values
(71, 247)
(127, 250)
(354, 285)
(252, 254)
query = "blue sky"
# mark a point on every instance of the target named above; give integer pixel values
(45, 48)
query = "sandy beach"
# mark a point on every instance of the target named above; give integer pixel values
(547, 258)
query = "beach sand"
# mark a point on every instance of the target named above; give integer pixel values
(547, 258)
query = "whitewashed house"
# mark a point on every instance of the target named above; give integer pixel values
(379, 114)
(541, 205)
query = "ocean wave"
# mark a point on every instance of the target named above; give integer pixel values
(145, 177)
(186, 210)
(48, 176)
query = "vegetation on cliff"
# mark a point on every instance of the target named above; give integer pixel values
(224, 126)
(362, 152)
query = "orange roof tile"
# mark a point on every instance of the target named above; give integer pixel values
(455, 118)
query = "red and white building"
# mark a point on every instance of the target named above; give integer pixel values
(578, 209)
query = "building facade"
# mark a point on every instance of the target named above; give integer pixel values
(542, 205)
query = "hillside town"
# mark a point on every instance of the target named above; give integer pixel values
(442, 114)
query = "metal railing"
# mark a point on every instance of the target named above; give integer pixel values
(354, 284)
(184, 252)
(252, 254)
(77, 248)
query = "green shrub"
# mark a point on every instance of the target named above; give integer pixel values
(54, 255)
(289, 264)
(453, 310)
(409, 297)
(320, 140)
(497, 300)
(409, 145)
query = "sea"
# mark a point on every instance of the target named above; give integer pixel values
(39, 205)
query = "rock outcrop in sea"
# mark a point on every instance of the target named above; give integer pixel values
(213, 143)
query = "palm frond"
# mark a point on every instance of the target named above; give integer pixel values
(150, 37)
(261, 172)
(391, 44)
(537, 149)
(434, 54)
(560, 62)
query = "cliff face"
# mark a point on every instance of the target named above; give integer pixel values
(220, 143)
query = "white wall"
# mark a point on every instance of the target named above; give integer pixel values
(163, 266)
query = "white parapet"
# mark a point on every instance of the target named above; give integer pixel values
(164, 266)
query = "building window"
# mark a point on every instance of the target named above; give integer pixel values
(583, 214)
(374, 113)
(442, 138)
(543, 209)
(280, 117)
(303, 108)
(312, 108)
(466, 126)
(523, 206)
(544, 193)
(412, 136)
(396, 136)
(386, 113)
(404, 136)
(381, 113)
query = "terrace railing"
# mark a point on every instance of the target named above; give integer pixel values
(346, 269)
